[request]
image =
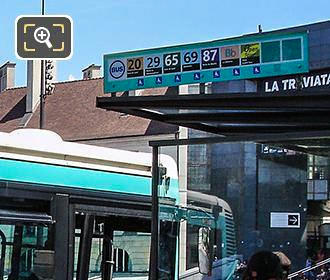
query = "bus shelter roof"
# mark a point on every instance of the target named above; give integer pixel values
(298, 120)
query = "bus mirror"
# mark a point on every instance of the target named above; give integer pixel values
(161, 174)
(167, 182)
(205, 249)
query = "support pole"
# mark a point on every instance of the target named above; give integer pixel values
(42, 92)
(85, 246)
(42, 7)
(153, 265)
(16, 252)
(42, 79)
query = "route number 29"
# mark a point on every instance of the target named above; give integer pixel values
(153, 62)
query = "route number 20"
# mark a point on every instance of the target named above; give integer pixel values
(135, 63)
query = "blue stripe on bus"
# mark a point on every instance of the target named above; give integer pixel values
(55, 175)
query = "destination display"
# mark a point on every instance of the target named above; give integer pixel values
(191, 61)
(250, 54)
(230, 56)
(210, 58)
(134, 67)
(246, 57)
(172, 62)
(153, 65)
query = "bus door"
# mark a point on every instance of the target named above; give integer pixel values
(27, 251)
(111, 243)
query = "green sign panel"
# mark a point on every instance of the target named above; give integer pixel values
(246, 57)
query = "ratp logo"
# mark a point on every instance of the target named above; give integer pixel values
(117, 69)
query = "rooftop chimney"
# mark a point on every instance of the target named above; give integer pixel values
(91, 72)
(7, 76)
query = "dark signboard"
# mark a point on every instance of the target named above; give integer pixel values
(269, 150)
(310, 81)
(282, 156)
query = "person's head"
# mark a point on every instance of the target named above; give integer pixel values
(264, 265)
(320, 254)
(285, 263)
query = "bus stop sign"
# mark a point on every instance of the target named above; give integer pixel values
(245, 57)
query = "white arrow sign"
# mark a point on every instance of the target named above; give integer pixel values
(293, 219)
(284, 220)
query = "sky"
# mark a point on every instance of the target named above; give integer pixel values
(106, 26)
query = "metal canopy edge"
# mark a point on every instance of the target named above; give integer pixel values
(312, 142)
(231, 114)
(269, 138)
(294, 99)
(296, 119)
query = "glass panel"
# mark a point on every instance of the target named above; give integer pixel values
(260, 198)
(96, 257)
(131, 253)
(253, 185)
(167, 249)
(271, 51)
(76, 250)
(310, 186)
(192, 246)
(310, 196)
(320, 196)
(321, 186)
(208, 213)
(121, 253)
(8, 231)
(199, 167)
(291, 49)
(28, 252)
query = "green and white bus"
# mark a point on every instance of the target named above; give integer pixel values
(75, 211)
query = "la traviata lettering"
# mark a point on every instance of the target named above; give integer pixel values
(303, 82)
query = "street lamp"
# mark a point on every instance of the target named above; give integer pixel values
(49, 87)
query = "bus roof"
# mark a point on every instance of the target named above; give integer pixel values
(48, 147)
(208, 199)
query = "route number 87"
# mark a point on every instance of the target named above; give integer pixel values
(209, 55)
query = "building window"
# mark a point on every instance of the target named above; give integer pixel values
(318, 175)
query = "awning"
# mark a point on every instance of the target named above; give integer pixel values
(244, 115)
